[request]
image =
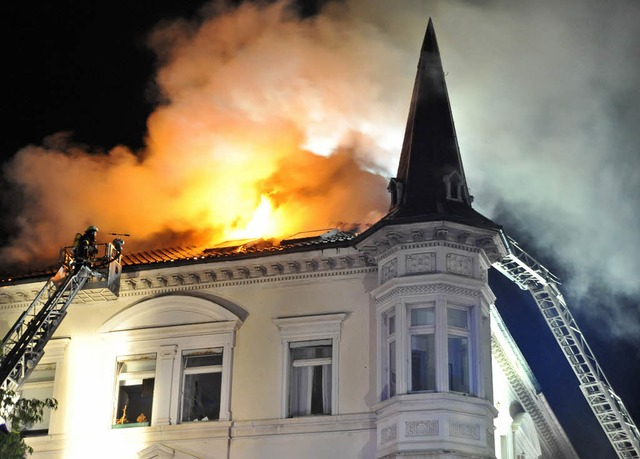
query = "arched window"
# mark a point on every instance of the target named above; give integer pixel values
(526, 444)
(173, 360)
(454, 186)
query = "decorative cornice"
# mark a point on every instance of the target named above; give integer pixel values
(425, 289)
(430, 234)
(525, 386)
(212, 275)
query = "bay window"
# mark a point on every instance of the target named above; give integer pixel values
(429, 350)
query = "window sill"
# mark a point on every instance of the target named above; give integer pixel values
(129, 424)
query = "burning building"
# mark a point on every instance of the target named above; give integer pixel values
(328, 343)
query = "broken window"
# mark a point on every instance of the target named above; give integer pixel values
(136, 381)
(201, 384)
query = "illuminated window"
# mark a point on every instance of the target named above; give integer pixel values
(187, 343)
(310, 378)
(311, 347)
(136, 381)
(39, 386)
(201, 384)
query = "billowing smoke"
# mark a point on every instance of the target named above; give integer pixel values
(254, 102)
(545, 99)
(310, 112)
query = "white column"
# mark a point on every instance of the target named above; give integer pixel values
(164, 399)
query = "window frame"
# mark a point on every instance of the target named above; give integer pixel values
(126, 376)
(34, 390)
(310, 328)
(53, 354)
(429, 329)
(460, 332)
(198, 370)
(314, 363)
(389, 348)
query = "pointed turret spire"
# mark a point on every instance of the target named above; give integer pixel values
(430, 183)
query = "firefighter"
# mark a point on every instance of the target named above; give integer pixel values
(85, 249)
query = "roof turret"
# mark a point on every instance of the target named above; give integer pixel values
(430, 183)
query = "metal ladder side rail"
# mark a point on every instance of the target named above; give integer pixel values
(18, 328)
(530, 275)
(522, 268)
(28, 350)
(24, 351)
(623, 434)
(567, 333)
(18, 350)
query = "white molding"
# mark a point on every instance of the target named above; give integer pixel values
(157, 312)
(159, 451)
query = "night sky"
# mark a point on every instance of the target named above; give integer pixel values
(546, 101)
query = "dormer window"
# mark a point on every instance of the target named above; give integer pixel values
(395, 188)
(454, 186)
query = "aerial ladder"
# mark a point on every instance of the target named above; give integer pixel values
(529, 274)
(23, 345)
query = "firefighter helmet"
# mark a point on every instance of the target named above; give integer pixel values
(92, 228)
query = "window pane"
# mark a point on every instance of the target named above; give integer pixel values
(42, 373)
(201, 397)
(135, 399)
(310, 390)
(212, 357)
(391, 325)
(201, 385)
(135, 391)
(138, 366)
(458, 318)
(422, 316)
(458, 364)
(392, 368)
(423, 363)
(310, 381)
(314, 352)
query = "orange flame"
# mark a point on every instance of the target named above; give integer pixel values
(263, 223)
(248, 93)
